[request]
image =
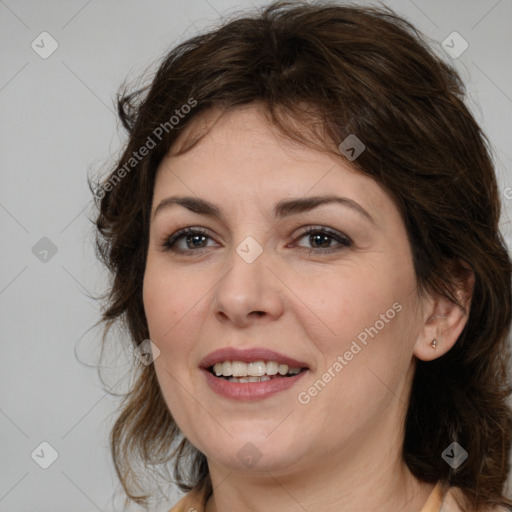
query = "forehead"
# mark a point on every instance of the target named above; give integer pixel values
(241, 154)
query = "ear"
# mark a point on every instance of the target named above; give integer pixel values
(443, 320)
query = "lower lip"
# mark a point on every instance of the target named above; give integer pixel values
(250, 390)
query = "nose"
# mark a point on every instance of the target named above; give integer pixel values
(248, 292)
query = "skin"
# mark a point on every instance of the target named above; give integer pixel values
(341, 450)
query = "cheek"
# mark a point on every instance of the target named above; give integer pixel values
(365, 315)
(342, 303)
(169, 309)
(167, 302)
(366, 325)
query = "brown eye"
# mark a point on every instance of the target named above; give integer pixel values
(321, 238)
(194, 239)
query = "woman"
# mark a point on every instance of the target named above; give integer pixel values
(303, 235)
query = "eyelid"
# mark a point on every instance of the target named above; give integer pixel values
(169, 241)
(343, 241)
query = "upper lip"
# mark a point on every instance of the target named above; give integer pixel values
(249, 355)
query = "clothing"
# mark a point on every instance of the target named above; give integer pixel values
(441, 499)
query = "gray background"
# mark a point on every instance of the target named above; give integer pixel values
(58, 125)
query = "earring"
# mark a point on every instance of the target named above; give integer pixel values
(434, 344)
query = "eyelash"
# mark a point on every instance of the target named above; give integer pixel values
(343, 240)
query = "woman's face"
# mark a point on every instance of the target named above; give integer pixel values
(340, 302)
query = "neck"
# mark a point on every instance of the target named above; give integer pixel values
(361, 479)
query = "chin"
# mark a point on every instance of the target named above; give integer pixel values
(255, 454)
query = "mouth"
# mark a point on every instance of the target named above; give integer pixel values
(255, 371)
(251, 374)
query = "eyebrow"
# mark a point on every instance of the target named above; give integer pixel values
(282, 209)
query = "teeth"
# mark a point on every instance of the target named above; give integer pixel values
(226, 369)
(249, 379)
(239, 369)
(255, 369)
(271, 368)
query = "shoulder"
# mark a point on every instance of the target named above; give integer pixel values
(191, 502)
(195, 500)
(453, 500)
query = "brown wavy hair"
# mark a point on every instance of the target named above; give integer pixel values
(323, 72)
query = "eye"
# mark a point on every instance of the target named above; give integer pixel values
(321, 238)
(194, 239)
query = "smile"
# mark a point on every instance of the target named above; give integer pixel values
(251, 373)
(256, 371)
